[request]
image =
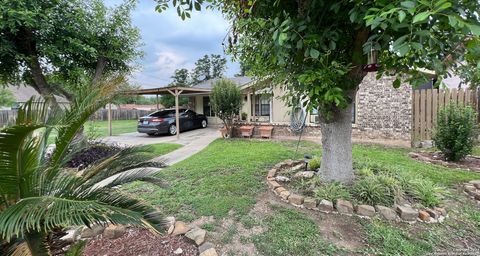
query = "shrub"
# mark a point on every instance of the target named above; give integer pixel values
(314, 163)
(425, 191)
(332, 191)
(377, 189)
(226, 100)
(455, 131)
(365, 172)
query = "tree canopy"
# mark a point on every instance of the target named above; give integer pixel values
(57, 46)
(208, 67)
(319, 50)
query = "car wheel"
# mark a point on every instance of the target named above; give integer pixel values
(151, 134)
(172, 130)
(204, 123)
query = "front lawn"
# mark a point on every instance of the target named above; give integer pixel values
(226, 179)
(476, 151)
(159, 149)
(99, 129)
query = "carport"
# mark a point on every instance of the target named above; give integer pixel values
(175, 91)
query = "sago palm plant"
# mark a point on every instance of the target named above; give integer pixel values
(37, 194)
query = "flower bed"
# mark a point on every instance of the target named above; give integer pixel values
(181, 239)
(280, 178)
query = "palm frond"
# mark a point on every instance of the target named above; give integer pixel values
(45, 213)
(127, 177)
(125, 160)
(85, 104)
(14, 141)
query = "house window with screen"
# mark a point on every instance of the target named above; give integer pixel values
(262, 105)
(207, 109)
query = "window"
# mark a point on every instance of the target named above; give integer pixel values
(262, 105)
(207, 109)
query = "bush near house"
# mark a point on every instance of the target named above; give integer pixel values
(455, 132)
(226, 100)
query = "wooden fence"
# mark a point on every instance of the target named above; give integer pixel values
(101, 115)
(427, 102)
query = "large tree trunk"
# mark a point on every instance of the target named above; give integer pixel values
(337, 146)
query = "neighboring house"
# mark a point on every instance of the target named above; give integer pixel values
(23, 93)
(380, 111)
(140, 107)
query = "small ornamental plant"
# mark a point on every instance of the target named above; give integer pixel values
(455, 131)
(226, 100)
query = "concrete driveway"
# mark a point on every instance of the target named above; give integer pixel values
(193, 141)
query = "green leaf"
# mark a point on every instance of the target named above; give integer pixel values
(282, 38)
(403, 49)
(299, 44)
(314, 53)
(444, 6)
(396, 83)
(401, 16)
(198, 7)
(421, 17)
(408, 4)
(396, 44)
(475, 29)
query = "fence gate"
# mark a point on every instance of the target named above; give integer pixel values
(427, 102)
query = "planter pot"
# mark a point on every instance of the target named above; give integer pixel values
(266, 131)
(246, 131)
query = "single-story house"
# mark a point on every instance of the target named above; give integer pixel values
(150, 107)
(380, 111)
(23, 93)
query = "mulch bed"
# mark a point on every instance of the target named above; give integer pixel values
(471, 163)
(140, 242)
(90, 155)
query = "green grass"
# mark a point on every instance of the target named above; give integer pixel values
(100, 128)
(229, 174)
(476, 151)
(163, 148)
(225, 176)
(290, 232)
(385, 239)
(398, 160)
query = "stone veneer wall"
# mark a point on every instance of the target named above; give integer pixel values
(383, 112)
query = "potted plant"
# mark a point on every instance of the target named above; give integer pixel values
(244, 116)
(266, 131)
(246, 130)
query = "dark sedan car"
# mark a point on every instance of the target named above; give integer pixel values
(163, 121)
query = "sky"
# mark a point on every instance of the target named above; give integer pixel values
(170, 43)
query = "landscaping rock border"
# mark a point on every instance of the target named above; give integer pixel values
(472, 190)
(399, 213)
(420, 156)
(175, 228)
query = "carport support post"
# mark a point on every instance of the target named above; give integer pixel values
(176, 93)
(109, 119)
(157, 102)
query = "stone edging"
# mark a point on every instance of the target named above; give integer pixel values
(418, 156)
(403, 213)
(472, 189)
(192, 232)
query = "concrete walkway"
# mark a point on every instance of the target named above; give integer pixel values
(192, 142)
